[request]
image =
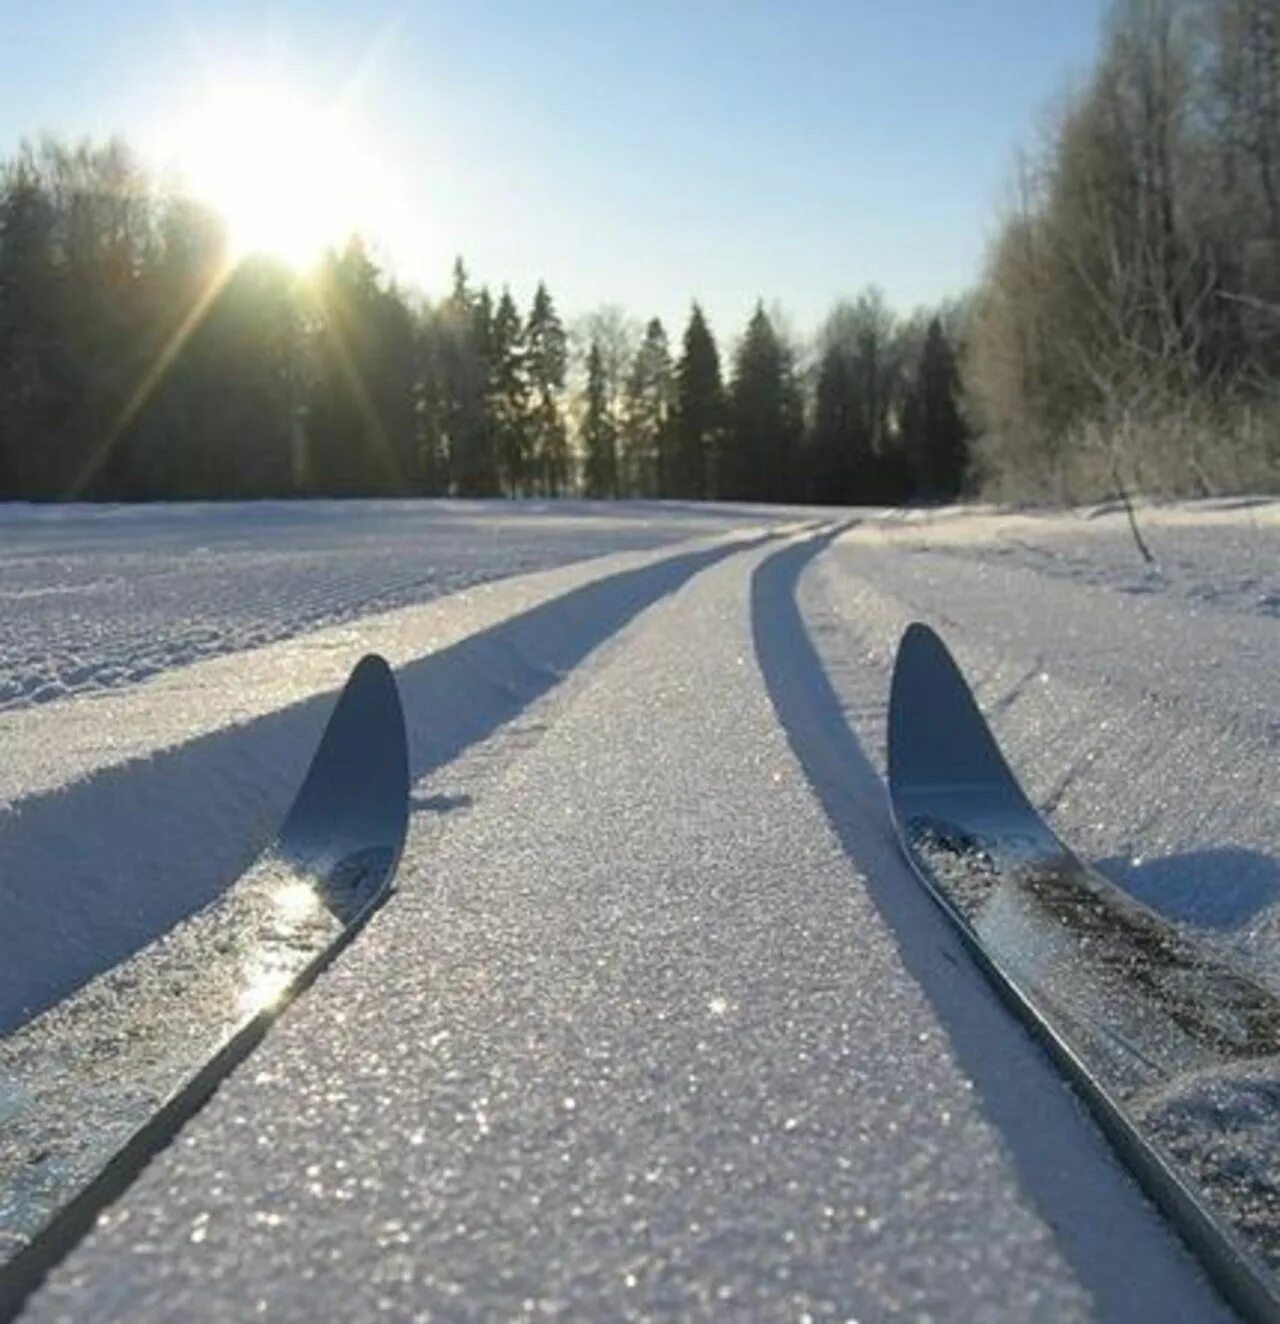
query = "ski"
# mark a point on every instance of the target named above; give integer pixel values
(96, 1085)
(1173, 1048)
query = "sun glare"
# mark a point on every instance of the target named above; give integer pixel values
(286, 177)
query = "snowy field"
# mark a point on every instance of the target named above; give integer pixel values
(98, 597)
(658, 1024)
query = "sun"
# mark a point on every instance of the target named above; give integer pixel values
(286, 177)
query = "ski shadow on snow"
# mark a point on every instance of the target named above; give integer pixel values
(94, 871)
(440, 803)
(1060, 1160)
(1221, 889)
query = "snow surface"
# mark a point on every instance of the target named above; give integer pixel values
(97, 597)
(122, 812)
(658, 1024)
(1138, 705)
(1214, 554)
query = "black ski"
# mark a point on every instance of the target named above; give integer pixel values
(96, 1085)
(1176, 1051)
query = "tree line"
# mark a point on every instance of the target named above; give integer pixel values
(139, 360)
(1126, 333)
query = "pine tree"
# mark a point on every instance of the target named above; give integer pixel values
(699, 413)
(647, 410)
(547, 356)
(761, 447)
(599, 434)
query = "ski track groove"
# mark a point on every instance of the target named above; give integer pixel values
(1106, 740)
(531, 1091)
(853, 606)
(131, 871)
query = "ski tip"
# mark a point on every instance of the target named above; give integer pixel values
(924, 673)
(355, 795)
(373, 678)
(937, 735)
(370, 663)
(920, 641)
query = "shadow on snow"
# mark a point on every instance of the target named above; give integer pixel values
(1223, 888)
(1055, 1149)
(135, 849)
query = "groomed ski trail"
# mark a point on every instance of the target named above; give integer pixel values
(635, 1037)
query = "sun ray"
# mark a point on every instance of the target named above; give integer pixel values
(154, 375)
(350, 373)
(364, 67)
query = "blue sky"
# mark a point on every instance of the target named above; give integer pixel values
(643, 154)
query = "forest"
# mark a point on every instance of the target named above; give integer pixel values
(1123, 336)
(139, 361)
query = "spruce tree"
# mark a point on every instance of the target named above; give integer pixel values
(761, 446)
(432, 469)
(28, 334)
(599, 435)
(360, 420)
(548, 355)
(699, 414)
(464, 334)
(509, 397)
(647, 408)
(460, 294)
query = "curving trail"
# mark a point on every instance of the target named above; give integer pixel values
(658, 1024)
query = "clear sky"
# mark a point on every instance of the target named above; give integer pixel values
(637, 153)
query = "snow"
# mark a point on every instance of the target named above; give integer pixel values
(101, 597)
(79, 1081)
(1145, 721)
(1223, 1127)
(1215, 553)
(658, 1023)
(144, 802)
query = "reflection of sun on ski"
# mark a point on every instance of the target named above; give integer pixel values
(105, 1078)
